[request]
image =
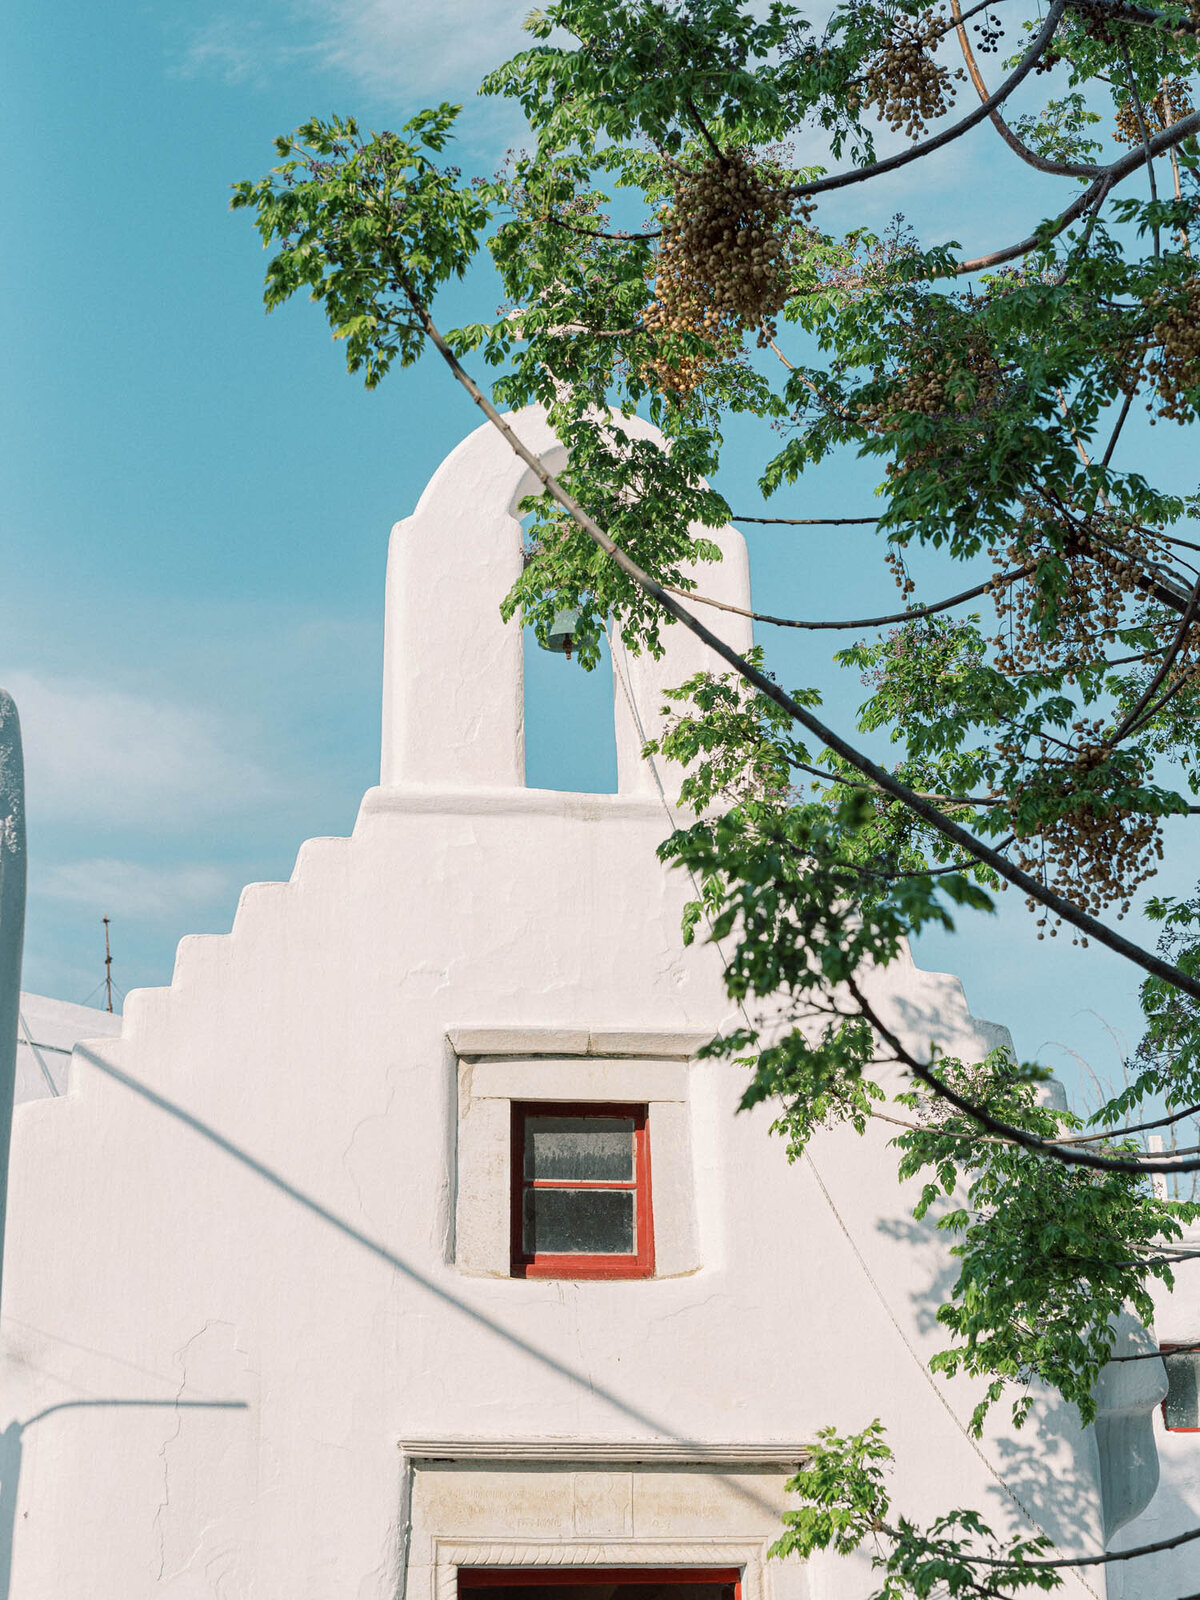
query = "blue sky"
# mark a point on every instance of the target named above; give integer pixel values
(195, 498)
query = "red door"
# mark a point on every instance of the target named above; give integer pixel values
(600, 1583)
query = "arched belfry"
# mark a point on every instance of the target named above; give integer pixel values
(453, 695)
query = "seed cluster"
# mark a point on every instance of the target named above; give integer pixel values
(909, 87)
(1170, 105)
(724, 262)
(961, 384)
(958, 384)
(1070, 829)
(895, 562)
(1176, 367)
(1093, 852)
(990, 31)
(1099, 573)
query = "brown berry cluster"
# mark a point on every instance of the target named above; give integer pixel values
(724, 262)
(1095, 22)
(895, 562)
(1105, 568)
(959, 384)
(909, 87)
(938, 388)
(1175, 368)
(1170, 105)
(1092, 851)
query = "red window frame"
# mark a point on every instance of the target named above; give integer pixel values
(529, 1577)
(1189, 1349)
(639, 1264)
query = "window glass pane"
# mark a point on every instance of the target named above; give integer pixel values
(579, 1149)
(1181, 1404)
(579, 1222)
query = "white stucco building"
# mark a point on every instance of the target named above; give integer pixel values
(403, 1247)
(1175, 1507)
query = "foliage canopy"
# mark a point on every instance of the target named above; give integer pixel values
(662, 251)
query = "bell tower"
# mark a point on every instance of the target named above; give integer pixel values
(453, 681)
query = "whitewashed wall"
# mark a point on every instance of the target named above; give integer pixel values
(234, 1286)
(1175, 1508)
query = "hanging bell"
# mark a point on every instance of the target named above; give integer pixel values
(561, 638)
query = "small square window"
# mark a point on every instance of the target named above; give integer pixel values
(1181, 1408)
(581, 1191)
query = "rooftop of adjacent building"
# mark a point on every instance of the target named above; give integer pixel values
(47, 1032)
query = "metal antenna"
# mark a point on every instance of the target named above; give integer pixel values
(107, 965)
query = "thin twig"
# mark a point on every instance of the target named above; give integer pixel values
(1019, 1136)
(1185, 239)
(1066, 169)
(1144, 130)
(1129, 721)
(806, 522)
(863, 622)
(1137, 1127)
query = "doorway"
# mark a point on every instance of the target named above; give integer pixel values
(599, 1583)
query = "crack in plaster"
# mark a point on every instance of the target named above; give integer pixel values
(180, 1356)
(690, 1309)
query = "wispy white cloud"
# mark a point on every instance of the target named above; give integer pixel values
(100, 756)
(446, 45)
(237, 49)
(435, 46)
(132, 889)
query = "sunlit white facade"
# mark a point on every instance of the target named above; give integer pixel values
(266, 1333)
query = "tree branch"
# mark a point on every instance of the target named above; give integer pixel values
(995, 1125)
(1048, 231)
(1117, 426)
(1108, 178)
(1066, 169)
(807, 522)
(714, 148)
(1130, 720)
(1025, 66)
(1018, 1563)
(1140, 16)
(1136, 1127)
(1105, 179)
(598, 233)
(1154, 579)
(1103, 1560)
(1157, 1355)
